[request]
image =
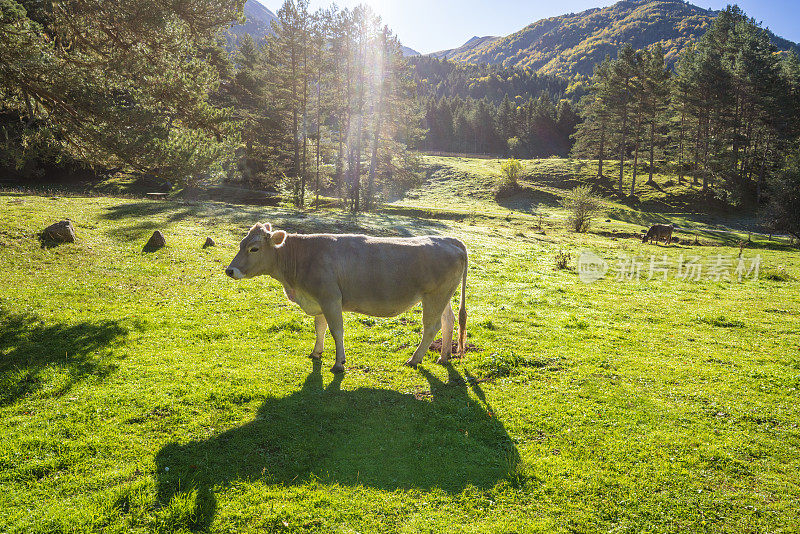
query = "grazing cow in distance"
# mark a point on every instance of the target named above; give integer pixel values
(657, 232)
(326, 274)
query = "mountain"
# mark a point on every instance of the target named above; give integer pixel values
(258, 23)
(574, 43)
(464, 49)
(409, 52)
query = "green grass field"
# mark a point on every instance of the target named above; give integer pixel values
(146, 392)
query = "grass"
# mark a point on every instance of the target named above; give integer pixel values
(145, 392)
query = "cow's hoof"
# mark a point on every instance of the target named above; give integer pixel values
(315, 355)
(443, 361)
(411, 363)
(337, 368)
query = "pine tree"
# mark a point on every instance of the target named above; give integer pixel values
(592, 135)
(622, 89)
(655, 94)
(118, 85)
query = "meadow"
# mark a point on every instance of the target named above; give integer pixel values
(147, 392)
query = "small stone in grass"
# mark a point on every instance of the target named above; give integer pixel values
(156, 242)
(60, 232)
(209, 243)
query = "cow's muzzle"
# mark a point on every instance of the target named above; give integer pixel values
(234, 273)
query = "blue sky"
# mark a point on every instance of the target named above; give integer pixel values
(430, 25)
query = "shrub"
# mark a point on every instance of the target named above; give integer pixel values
(511, 169)
(777, 274)
(583, 205)
(508, 181)
(563, 259)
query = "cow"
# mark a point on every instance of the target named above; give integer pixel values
(658, 232)
(326, 274)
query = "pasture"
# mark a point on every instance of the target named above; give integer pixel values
(144, 392)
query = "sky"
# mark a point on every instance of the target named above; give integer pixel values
(431, 25)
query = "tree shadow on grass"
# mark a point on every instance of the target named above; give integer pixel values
(140, 218)
(441, 438)
(29, 348)
(527, 199)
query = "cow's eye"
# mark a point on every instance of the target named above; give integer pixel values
(254, 249)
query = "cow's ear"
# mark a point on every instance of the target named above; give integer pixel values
(267, 227)
(278, 239)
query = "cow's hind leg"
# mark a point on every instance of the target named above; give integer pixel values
(333, 315)
(432, 308)
(320, 324)
(448, 322)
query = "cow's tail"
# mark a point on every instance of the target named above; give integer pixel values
(462, 313)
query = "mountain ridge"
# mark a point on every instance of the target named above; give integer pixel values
(574, 43)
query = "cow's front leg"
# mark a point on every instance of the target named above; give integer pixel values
(320, 324)
(333, 315)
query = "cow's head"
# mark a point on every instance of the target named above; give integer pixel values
(256, 252)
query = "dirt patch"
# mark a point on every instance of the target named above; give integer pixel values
(619, 235)
(436, 346)
(422, 394)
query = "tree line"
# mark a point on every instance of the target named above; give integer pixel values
(326, 104)
(492, 109)
(726, 118)
(532, 128)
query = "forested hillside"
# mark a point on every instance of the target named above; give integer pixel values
(727, 117)
(574, 43)
(492, 109)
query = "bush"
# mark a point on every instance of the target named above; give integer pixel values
(583, 205)
(511, 169)
(508, 181)
(563, 260)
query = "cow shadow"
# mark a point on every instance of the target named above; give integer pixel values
(442, 438)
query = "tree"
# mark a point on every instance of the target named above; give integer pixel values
(591, 135)
(118, 85)
(655, 100)
(287, 69)
(511, 170)
(622, 89)
(506, 121)
(783, 213)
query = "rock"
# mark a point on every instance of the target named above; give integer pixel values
(156, 242)
(60, 232)
(209, 243)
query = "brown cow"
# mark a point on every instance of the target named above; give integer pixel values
(658, 232)
(326, 274)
